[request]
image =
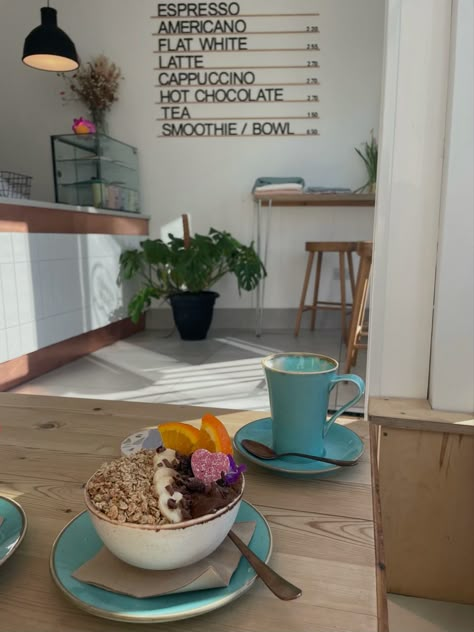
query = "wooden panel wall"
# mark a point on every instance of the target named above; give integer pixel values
(26, 367)
(427, 503)
(31, 219)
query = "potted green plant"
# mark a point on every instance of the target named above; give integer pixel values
(369, 155)
(183, 271)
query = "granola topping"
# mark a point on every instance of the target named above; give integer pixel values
(123, 490)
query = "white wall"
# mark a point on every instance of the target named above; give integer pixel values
(408, 200)
(452, 361)
(54, 287)
(209, 178)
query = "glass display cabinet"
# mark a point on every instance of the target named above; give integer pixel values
(95, 170)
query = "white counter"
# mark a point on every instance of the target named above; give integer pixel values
(58, 272)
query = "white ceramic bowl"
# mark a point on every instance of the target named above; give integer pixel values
(164, 547)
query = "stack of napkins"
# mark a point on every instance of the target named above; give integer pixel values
(292, 185)
(107, 571)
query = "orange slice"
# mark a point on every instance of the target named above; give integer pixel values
(213, 435)
(178, 436)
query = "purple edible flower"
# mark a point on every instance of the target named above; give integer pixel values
(234, 472)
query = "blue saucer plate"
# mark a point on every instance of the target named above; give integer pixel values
(340, 443)
(12, 529)
(78, 542)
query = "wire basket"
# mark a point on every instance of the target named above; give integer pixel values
(14, 185)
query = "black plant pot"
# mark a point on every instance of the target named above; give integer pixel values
(192, 312)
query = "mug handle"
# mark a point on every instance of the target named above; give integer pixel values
(350, 377)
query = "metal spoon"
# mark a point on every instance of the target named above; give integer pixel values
(262, 451)
(276, 583)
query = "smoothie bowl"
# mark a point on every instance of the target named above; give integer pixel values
(162, 509)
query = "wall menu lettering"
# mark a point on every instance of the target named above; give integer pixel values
(236, 69)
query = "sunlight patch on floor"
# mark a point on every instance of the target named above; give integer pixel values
(224, 370)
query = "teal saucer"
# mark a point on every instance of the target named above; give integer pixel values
(78, 542)
(340, 443)
(12, 529)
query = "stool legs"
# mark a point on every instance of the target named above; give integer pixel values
(342, 278)
(351, 274)
(317, 279)
(313, 307)
(350, 265)
(358, 312)
(303, 293)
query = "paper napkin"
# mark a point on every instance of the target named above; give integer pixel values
(108, 572)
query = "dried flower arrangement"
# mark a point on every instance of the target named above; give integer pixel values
(96, 85)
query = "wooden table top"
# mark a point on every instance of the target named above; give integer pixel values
(315, 199)
(323, 529)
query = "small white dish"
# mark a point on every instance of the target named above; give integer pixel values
(146, 439)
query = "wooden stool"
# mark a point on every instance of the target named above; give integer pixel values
(320, 247)
(358, 328)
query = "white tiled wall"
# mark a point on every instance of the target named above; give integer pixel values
(54, 287)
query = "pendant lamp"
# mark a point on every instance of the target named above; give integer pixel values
(47, 47)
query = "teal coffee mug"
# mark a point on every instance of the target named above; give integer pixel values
(299, 385)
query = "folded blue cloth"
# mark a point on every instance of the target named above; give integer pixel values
(263, 181)
(310, 189)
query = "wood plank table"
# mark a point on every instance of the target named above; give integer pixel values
(323, 529)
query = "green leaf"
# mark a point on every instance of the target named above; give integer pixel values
(155, 251)
(140, 302)
(168, 268)
(131, 263)
(370, 158)
(363, 158)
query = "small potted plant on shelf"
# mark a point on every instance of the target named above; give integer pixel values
(183, 271)
(369, 155)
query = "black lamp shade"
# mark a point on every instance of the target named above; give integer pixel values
(47, 47)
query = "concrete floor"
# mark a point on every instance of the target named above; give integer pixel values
(223, 371)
